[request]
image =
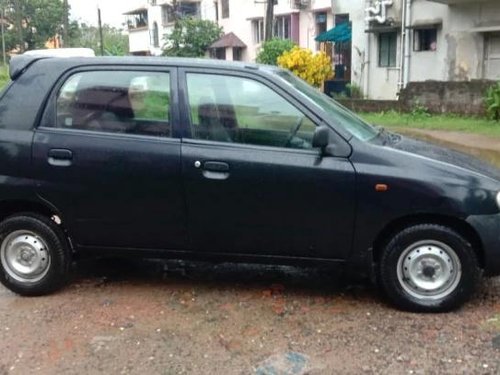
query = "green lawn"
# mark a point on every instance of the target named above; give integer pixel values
(434, 122)
(4, 76)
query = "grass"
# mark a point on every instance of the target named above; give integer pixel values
(4, 76)
(427, 121)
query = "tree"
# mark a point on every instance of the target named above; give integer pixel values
(33, 22)
(86, 36)
(268, 29)
(191, 37)
(272, 49)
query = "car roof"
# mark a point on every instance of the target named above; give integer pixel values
(19, 64)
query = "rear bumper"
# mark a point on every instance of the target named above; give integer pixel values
(488, 229)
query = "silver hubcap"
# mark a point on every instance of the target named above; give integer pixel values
(24, 256)
(429, 270)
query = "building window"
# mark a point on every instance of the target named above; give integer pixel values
(167, 14)
(190, 10)
(425, 40)
(184, 10)
(282, 27)
(225, 8)
(258, 30)
(137, 20)
(387, 49)
(155, 36)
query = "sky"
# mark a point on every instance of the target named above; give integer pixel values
(111, 10)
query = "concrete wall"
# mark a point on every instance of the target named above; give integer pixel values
(138, 40)
(463, 98)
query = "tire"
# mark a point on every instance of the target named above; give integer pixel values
(34, 255)
(428, 268)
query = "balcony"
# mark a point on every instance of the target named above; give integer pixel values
(458, 2)
(137, 19)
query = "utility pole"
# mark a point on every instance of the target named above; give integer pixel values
(268, 29)
(65, 42)
(101, 39)
(19, 25)
(4, 55)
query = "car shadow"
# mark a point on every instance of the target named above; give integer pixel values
(311, 280)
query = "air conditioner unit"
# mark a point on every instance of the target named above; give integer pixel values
(300, 4)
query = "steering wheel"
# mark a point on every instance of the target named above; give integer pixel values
(295, 130)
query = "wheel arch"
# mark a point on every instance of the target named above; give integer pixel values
(11, 207)
(461, 226)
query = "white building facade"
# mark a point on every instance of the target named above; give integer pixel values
(393, 41)
(399, 41)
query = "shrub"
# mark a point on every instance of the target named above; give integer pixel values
(354, 91)
(492, 101)
(313, 68)
(272, 49)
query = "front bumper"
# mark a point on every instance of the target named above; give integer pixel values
(488, 229)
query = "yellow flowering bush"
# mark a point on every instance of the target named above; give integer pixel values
(313, 68)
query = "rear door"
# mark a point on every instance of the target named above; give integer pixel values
(107, 157)
(254, 184)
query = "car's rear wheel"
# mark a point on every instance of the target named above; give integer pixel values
(34, 256)
(428, 268)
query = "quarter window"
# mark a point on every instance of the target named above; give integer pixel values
(116, 102)
(241, 110)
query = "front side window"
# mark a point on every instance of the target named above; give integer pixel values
(241, 110)
(387, 48)
(117, 102)
(340, 115)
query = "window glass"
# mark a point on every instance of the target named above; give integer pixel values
(117, 102)
(425, 40)
(387, 49)
(225, 8)
(342, 116)
(241, 110)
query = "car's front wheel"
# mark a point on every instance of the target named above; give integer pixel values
(34, 256)
(428, 268)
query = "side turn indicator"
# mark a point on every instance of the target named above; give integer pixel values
(381, 187)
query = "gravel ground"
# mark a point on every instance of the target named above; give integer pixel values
(130, 317)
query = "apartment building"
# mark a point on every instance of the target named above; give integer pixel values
(393, 42)
(298, 20)
(148, 24)
(399, 41)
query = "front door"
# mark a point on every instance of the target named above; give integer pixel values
(107, 159)
(254, 184)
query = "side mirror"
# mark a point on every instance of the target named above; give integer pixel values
(321, 138)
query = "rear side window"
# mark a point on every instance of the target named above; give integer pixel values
(133, 102)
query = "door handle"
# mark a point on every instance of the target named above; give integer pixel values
(60, 157)
(215, 170)
(216, 166)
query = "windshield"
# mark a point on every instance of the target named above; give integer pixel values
(340, 115)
